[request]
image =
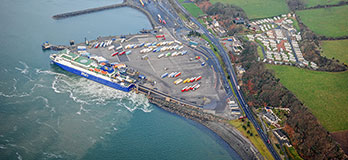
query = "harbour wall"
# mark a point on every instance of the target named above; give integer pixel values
(125, 3)
(217, 124)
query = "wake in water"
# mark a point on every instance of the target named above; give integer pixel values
(80, 90)
(87, 92)
(70, 113)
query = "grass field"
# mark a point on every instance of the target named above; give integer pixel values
(312, 3)
(337, 49)
(325, 93)
(330, 22)
(193, 9)
(259, 8)
(255, 139)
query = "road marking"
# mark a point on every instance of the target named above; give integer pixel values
(128, 58)
(151, 65)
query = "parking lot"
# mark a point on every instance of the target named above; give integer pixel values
(153, 67)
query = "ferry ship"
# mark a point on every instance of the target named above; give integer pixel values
(94, 68)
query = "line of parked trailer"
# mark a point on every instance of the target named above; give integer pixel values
(174, 54)
(192, 88)
(161, 49)
(103, 44)
(188, 80)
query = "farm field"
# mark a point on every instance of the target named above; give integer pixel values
(312, 3)
(259, 8)
(324, 93)
(330, 22)
(193, 9)
(337, 49)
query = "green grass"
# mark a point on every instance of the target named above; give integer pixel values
(337, 49)
(259, 52)
(255, 139)
(193, 9)
(295, 24)
(330, 22)
(325, 93)
(259, 8)
(292, 153)
(182, 17)
(312, 3)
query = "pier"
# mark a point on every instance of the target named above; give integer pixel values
(125, 3)
(175, 105)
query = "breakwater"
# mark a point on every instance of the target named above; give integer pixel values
(219, 125)
(108, 7)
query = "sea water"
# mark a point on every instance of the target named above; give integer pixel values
(48, 113)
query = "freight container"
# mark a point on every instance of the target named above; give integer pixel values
(183, 89)
(196, 87)
(174, 54)
(178, 42)
(178, 81)
(160, 56)
(193, 79)
(114, 54)
(198, 78)
(183, 52)
(164, 75)
(160, 36)
(178, 74)
(188, 88)
(118, 48)
(171, 74)
(111, 47)
(147, 44)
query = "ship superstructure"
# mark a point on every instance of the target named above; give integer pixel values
(95, 68)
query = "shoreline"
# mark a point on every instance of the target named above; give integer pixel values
(216, 125)
(207, 130)
(227, 133)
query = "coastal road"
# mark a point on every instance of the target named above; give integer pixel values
(233, 76)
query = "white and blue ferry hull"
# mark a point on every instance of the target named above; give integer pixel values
(94, 78)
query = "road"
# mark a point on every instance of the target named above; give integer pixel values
(233, 76)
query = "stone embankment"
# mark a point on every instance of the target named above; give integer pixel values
(215, 123)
